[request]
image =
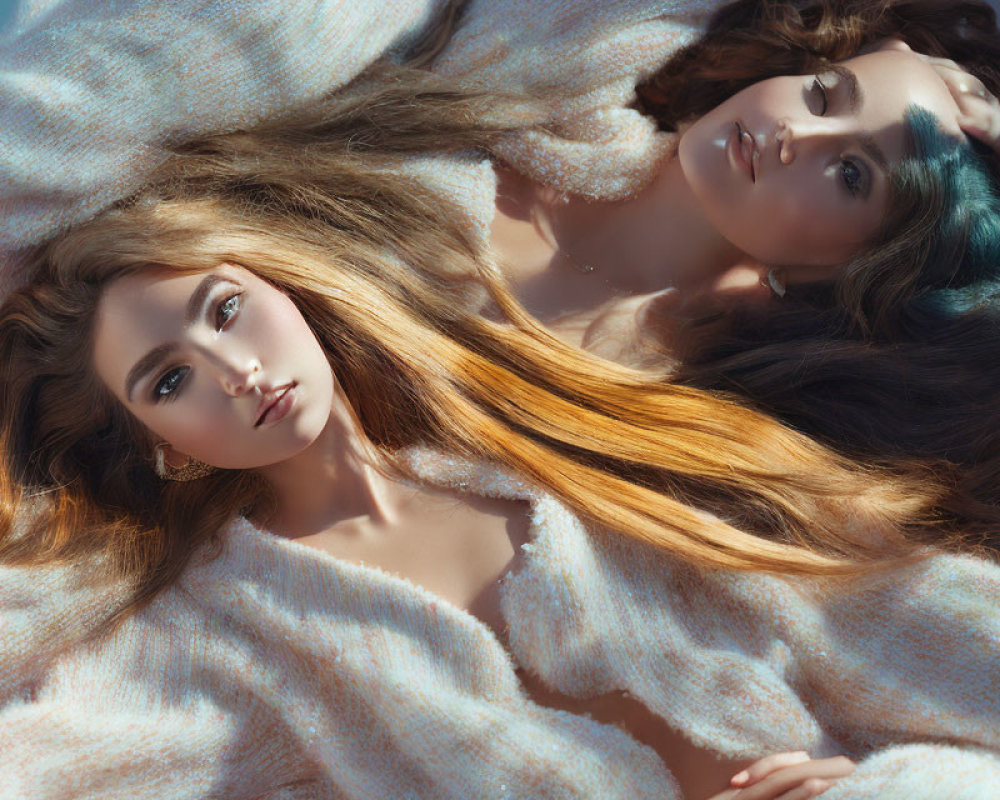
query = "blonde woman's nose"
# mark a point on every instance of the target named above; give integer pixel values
(240, 377)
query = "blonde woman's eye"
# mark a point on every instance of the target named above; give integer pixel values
(818, 96)
(226, 310)
(169, 384)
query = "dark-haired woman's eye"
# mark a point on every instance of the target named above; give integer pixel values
(818, 96)
(167, 386)
(853, 176)
(226, 310)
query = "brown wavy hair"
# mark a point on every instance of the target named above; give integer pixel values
(752, 40)
(381, 270)
(916, 379)
(747, 42)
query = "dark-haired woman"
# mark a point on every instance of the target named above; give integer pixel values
(812, 221)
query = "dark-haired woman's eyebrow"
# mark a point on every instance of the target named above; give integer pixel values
(855, 97)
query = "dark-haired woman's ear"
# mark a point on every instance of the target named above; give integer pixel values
(979, 110)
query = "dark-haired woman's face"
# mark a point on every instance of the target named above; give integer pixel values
(220, 364)
(794, 170)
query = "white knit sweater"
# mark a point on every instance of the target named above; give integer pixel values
(276, 671)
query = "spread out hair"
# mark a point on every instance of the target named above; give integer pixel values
(382, 271)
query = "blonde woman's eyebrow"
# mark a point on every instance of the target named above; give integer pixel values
(145, 365)
(199, 296)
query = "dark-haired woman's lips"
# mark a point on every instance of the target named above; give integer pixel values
(741, 149)
(278, 404)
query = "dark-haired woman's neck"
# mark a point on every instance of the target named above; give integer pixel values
(568, 255)
(658, 239)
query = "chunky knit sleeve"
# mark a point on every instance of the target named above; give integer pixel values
(750, 664)
(583, 59)
(922, 772)
(271, 671)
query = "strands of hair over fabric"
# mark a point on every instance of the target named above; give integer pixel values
(383, 272)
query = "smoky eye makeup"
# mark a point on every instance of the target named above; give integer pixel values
(224, 310)
(219, 299)
(832, 87)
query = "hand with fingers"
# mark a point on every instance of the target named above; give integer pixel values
(979, 109)
(787, 776)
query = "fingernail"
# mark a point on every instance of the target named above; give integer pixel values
(740, 777)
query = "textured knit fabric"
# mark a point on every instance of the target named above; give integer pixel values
(748, 665)
(91, 92)
(274, 670)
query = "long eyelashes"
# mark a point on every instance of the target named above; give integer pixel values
(171, 382)
(852, 176)
(227, 310)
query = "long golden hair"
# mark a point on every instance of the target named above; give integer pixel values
(382, 269)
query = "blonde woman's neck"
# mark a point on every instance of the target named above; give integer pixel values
(333, 480)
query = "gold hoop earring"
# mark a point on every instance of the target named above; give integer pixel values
(190, 470)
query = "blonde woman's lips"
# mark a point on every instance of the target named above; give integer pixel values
(277, 404)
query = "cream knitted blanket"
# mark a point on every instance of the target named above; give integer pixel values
(275, 671)
(91, 92)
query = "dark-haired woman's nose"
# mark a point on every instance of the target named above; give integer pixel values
(791, 135)
(784, 139)
(240, 376)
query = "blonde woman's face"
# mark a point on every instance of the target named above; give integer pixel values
(794, 170)
(221, 365)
